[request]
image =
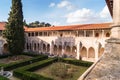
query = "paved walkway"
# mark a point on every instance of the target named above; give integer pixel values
(109, 66)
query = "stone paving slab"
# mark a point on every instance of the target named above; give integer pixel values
(108, 68)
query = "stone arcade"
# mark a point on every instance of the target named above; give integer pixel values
(107, 67)
(85, 41)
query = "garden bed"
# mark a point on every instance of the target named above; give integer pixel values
(42, 70)
(62, 71)
(12, 59)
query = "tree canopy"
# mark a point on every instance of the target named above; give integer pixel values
(38, 24)
(14, 31)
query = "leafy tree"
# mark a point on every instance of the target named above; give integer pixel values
(14, 32)
(39, 24)
(24, 23)
(47, 25)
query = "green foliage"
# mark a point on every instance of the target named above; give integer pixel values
(3, 78)
(14, 32)
(60, 70)
(39, 24)
(77, 62)
(24, 62)
(5, 56)
(24, 72)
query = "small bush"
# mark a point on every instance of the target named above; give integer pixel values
(23, 63)
(5, 56)
(77, 62)
(3, 78)
(24, 73)
(60, 70)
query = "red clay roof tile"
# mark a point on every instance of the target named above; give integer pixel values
(69, 27)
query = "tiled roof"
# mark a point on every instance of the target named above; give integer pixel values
(72, 27)
(2, 24)
(69, 27)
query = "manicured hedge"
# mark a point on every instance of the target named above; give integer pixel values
(3, 78)
(24, 72)
(5, 56)
(24, 62)
(30, 54)
(26, 75)
(76, 62)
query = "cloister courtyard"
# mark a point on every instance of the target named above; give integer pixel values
(41, 67)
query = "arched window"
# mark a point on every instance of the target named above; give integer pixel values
(35, 46)
(91, 52)
(55, 49)
(101, 51)
(44, 47)
(48, 47)
(5, 48)
(28, 34)
(27, 45)
(107, 34)
(36, 33)
(83, 52)
(32, 33)
(61, 35)
(96, 34)
(60, 49)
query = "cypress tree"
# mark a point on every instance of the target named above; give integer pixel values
(14, 30)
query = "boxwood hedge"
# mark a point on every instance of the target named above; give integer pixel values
(3, 78)
(76, 62)
(24, 62)
(24, 72)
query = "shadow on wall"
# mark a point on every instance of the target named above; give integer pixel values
(64, 46)
(37, 45)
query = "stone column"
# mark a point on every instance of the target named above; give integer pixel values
(93, 33)
(51, 48)
(103, 33)
(96, 53)
(78, 50)
(84, 33)
(116, 19)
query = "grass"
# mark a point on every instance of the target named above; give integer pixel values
(62, 71)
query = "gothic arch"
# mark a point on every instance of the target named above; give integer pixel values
(91, 52)
(44, 47)
(68, 50)
(107, 34)
(83, 52)
(74, 50)
(5, 48)
(60, 49)
(55, 49)
(27, 46)
(35, 46)
(101, 51)
(48, 47)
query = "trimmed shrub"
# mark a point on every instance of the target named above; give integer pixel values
(26, 75)
(31, 54)
(23, 72)
(23, 63)
(3, 78)
(5, 56)
(76, 62)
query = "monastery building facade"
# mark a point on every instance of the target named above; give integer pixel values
(86, 41)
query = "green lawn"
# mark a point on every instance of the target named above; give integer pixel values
(62, 71)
